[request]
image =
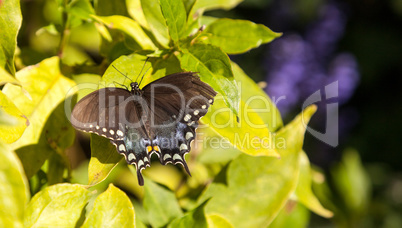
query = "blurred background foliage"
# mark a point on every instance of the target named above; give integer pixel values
(358, 43)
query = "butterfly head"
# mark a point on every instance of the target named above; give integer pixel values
(135, 88)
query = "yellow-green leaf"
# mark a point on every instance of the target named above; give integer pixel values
(237, 36)
(175, 15)
(215, 69)
(293, 215)
(255, 98)
(304, 193)
(10, 23)
(59, 205)
(104, 158)
(250, 135)
(160, 204)
(12, 121)
(130, 27)
(217, 221)
(5, 77)
(135, 10)
(47, 88)
(258, 187)
(112, 208)
(156, 21)
(13, 187)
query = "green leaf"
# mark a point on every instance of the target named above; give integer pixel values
(201, 5)
(160, 204)
(130, 66)
(129, 27)
(86, 83)
(56, 136)
(112, 208)
(250, 135)
(352, 181)
(193, 218)
(156, 21)
(217, 221)
(104, 158)
(47, 88)
(255, 98)
(214, 68)
(13, 187)
(304, 193)
(107, 8)
(292, 215)
(14, 121)
(258, 187)
(175, 14)
(135, 11)
(237, 36)
(59, 205)
(5, 77)
(55, 170)
(259, 117)
(10, 23)
(79, 11)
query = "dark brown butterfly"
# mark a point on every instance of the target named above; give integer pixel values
(160, 118)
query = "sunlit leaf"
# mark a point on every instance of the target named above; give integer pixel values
(250, 135)
(5, 77)
(13, 121)
(193, 218)
(56, 136)
(104, 157)
(47, 88)
(292, 215)
(10, 23)
(112, 208)
(160, 204)
(255, 98)
(86, 84)
(156, 21)
(237, 36)
(214, 68)
(59, 205)
(130, 27)
(203, 5)
(13, 187)
(304, 193)
(258, 187)
(217, 221)
(135, 10)
(175, 16)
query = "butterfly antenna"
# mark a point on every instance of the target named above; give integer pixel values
(144, 75)
(121, 73)
(146, 60)
(120, 84)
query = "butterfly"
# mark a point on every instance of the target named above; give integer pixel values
(160, 118)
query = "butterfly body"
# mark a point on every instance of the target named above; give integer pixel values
(160, 118)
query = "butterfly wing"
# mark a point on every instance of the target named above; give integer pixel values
(176, 102)
(116, 114)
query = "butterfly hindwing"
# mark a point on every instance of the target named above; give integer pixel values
(177, 102)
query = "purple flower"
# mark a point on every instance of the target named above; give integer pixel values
(297, 67)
